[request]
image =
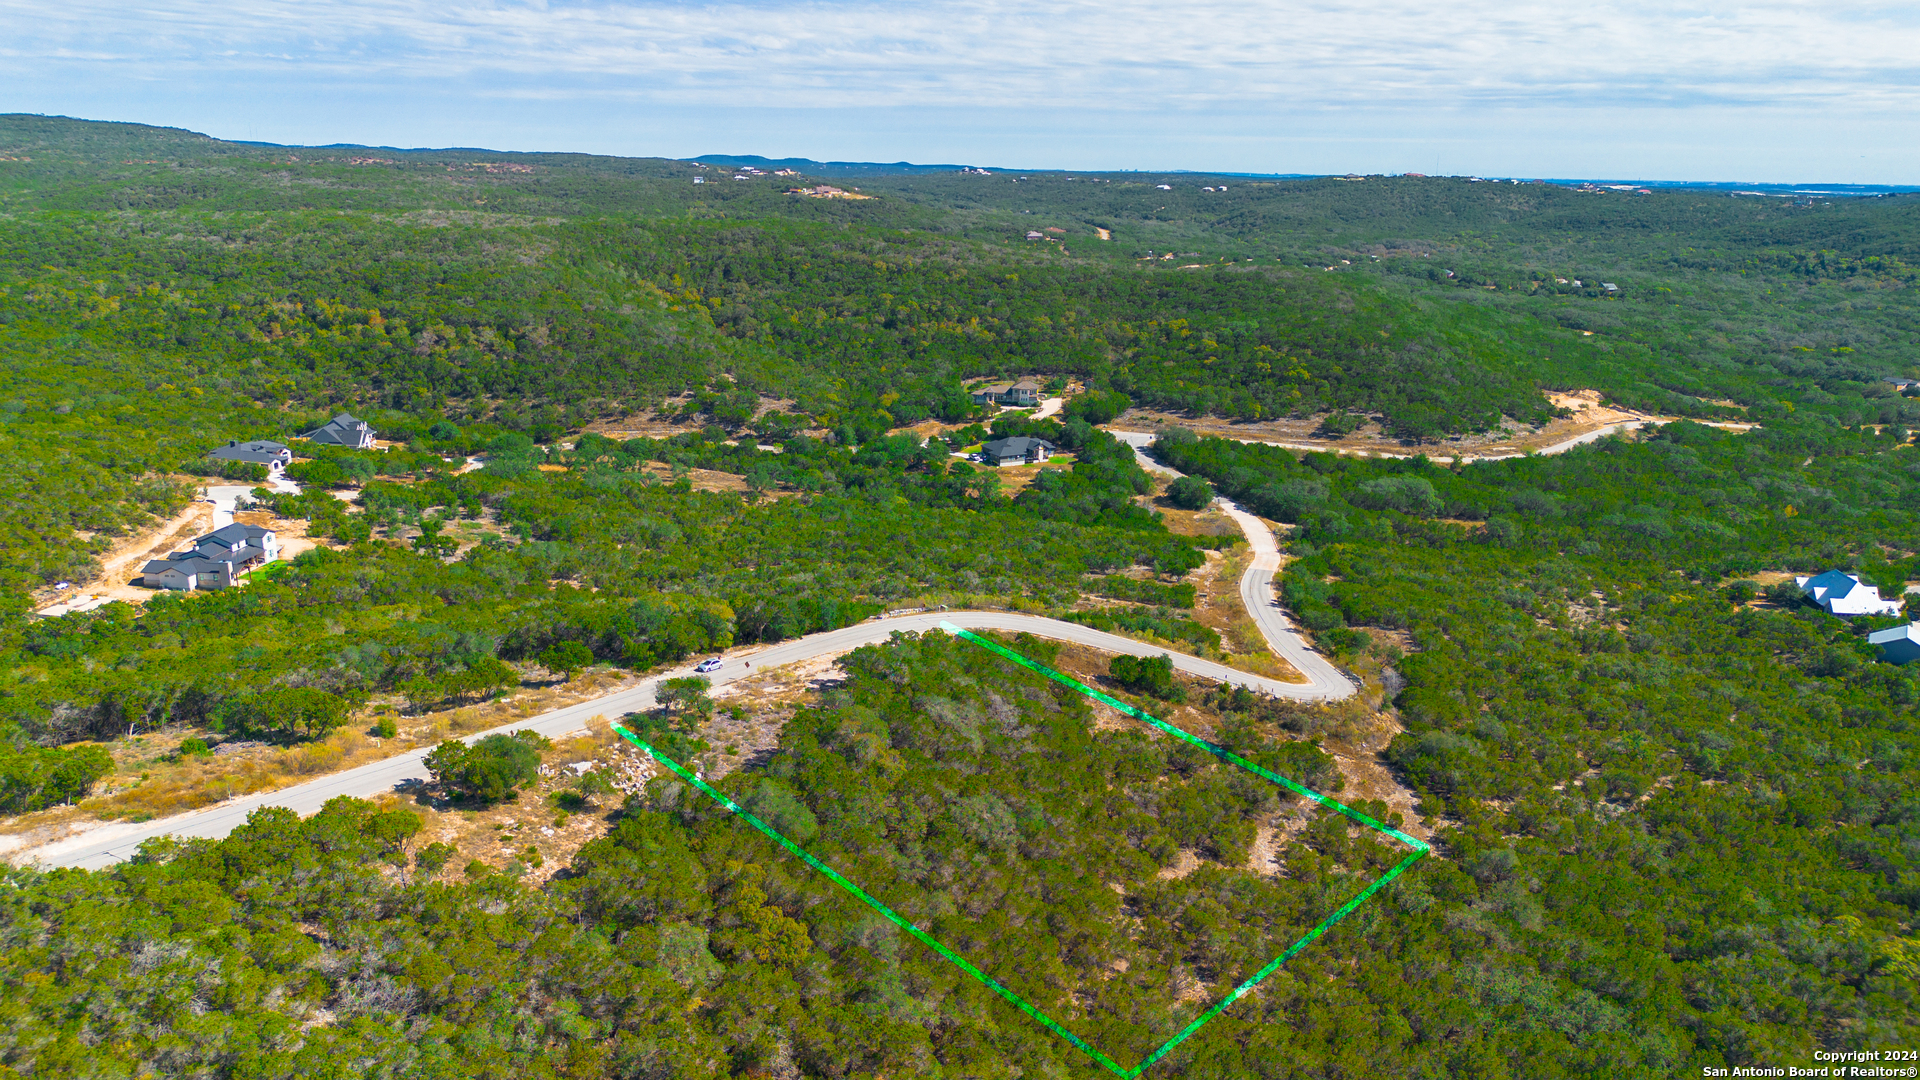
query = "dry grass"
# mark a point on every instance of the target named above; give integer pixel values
(530, 835)
(1015, 479)
(190, 788)
(151, 781)
(340, 750)
(1263, 661)
(164, 785)
(590, 743)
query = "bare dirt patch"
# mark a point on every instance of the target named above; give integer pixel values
(121, 565)
(1267, 855)
(1185, 863)
(668, 421)
(531, 837)
(703, 479)
(1015, 479)
(1514, 438)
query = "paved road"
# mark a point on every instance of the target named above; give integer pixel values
(1256, 588)
(114, 843)
(1256, 592)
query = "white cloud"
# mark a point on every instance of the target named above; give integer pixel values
(1125, 54)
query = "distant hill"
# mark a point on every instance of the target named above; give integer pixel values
(829, 168)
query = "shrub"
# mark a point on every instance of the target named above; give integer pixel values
(294, 710)
(1406, 494)
(1320, 618)
(1338, 424)
(1165, 625)
(34, 778)
(434, 858)
(1148, 675)
(1786, 594)
(565, 659)
(491, 770)
(1098, 407)
(775, 803)
(1442, 761)
(685, 701)
(1190, 493)
(985, 820)
(1288, 501)
(228, 470)
(483, 678)
(1342, 640)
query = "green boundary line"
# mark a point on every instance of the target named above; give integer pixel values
(1420, 849)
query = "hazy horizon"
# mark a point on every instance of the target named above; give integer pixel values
(1697, 182)
(1770, 92)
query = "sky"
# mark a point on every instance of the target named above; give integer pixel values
(1765, 91)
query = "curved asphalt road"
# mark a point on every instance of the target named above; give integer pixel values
(1324, 681)
(110, 844)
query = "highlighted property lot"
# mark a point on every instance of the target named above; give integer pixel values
(1417, 848)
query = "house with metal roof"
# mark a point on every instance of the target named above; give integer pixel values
(275, 456)
(343, 430)
(1899, 645)
(1019, 450)
(1845, 595)
(215, 561)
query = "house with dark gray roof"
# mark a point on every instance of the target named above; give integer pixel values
(275, 456)
(215, 561)
(1019, 450)
(343, 430)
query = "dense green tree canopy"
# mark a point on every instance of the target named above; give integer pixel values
(1672, 806)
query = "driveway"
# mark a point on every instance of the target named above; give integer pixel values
(226, 498)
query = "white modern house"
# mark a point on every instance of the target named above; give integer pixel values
(1845, 595)
(1899, 645)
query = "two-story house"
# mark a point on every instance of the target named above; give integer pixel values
(1024, 392)
(215, 561)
